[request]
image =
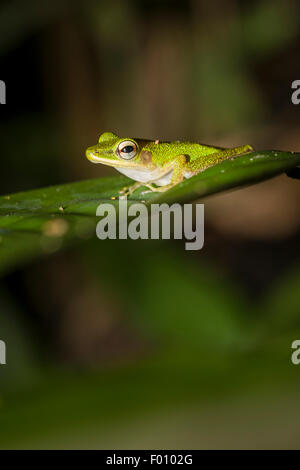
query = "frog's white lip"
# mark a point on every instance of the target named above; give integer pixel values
(115, 163)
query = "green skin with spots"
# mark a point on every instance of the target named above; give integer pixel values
(166, 163)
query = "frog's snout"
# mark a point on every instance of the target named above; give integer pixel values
(92, 154)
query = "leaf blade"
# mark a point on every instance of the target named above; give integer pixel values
(46, 220)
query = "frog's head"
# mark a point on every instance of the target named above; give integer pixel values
(120, 152)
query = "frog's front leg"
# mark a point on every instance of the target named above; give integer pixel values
(128, 190)
(179, 165)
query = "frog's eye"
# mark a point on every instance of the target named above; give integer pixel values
(127, 149)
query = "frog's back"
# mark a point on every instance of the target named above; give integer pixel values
(165, 151)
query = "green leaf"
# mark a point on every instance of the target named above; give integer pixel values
(236, 172)
(45, 220)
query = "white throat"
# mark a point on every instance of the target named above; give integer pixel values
(147, 176)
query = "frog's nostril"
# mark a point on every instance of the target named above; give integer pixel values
(92, 154)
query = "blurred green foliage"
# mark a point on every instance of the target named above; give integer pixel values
(207, 345)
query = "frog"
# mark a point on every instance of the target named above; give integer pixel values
(157, 164)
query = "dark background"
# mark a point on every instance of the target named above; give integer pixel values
(141, 344)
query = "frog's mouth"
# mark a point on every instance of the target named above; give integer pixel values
(94, 157)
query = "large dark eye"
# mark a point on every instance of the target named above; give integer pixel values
(127, 149)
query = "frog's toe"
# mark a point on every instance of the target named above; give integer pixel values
(158, 189)
(128, 190)
(123, 191)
